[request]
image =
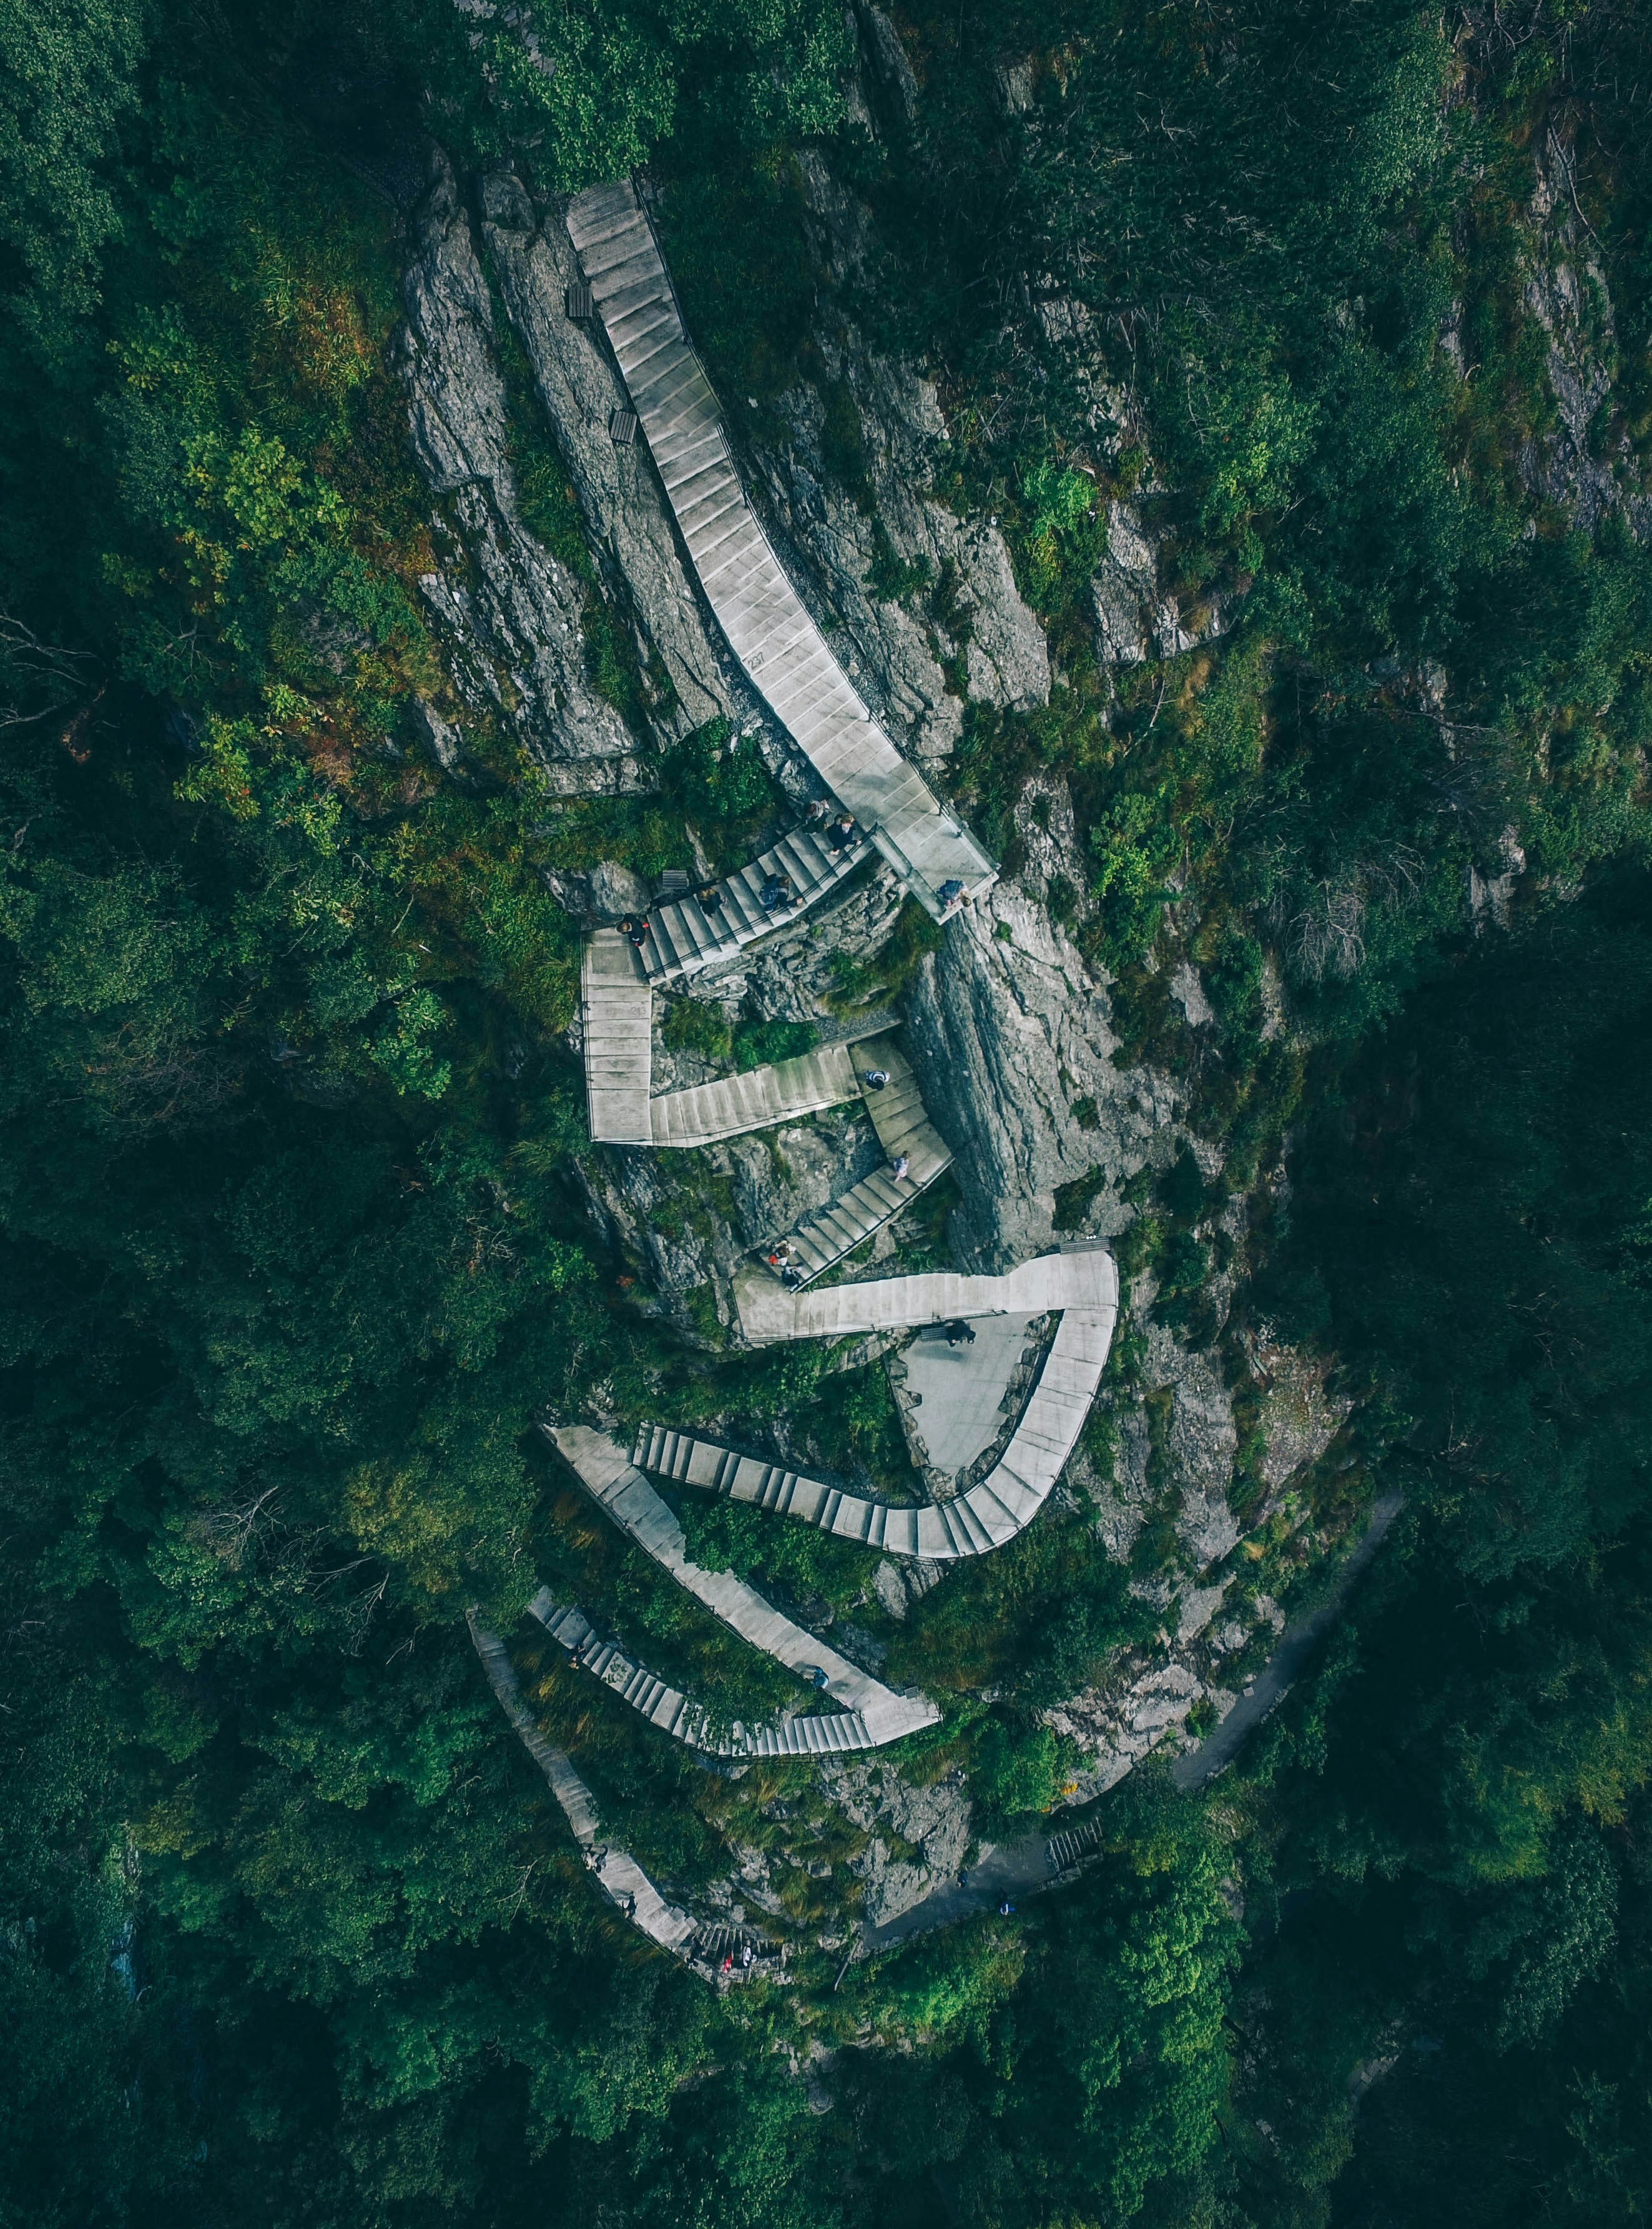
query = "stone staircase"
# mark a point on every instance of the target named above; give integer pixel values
(782, 1092)
(716, 1939)
(1063, 1851)
(622, 1879)
(771, 633)
(685, 936)
(991, 1513)
(831, 1734)
(875, 1714)
(617, 1009)
(898, 1115)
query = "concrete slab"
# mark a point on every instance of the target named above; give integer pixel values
(961, 1388)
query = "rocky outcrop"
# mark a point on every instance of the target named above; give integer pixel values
(1585, 464)
(509, 614)
(922, 604)
(1008, 1034)
(1581, 464)
(619, 496)
(926, 1832)
(1135, 618)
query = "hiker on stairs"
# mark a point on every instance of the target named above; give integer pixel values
(876, 1078)
(843, 833)
(776, 894)
(899, 1165)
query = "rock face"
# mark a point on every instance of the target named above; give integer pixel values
(1580, 466)
(1008, 1034)
(922, 604)
(934, 1822)
(620, 495)
(509, 613)
(1135, 618)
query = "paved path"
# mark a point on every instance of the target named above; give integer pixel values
(784, 1091)
(621, 1878)
(760, 612)
(961, 1390)
(1081, 1276)
(685, 935)
(989, 1515)
(823, 1734)
(608, 1475)
(1018, 1870)
(1296, 1644)
(617, 1008)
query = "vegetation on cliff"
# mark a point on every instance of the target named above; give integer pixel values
(293, 1246)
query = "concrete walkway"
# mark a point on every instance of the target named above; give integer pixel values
(961, 1390)
(685, 935)
(828, 1734)
(770, 631)
(1081, 1276)
(784, 1091)
(617, 1008)
(611, 1479)
(622, 1879)
(991, 1513)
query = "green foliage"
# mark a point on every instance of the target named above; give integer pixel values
(696, 1026)
(757, 1043)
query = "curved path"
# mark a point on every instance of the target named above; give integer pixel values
(1079, 1276)
(987, 1517)
(1036, 1861)
(1296, 1644)
(621, 1877)
(783, 650)
(610, 1478)
(942, 866)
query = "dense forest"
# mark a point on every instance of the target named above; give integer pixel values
(297, 1227)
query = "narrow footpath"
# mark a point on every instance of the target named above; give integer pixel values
(1018, 1870)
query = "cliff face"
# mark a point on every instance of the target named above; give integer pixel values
(619, 492)
(509, 613)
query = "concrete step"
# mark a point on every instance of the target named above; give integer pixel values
(1072, 1847)
(771, 632)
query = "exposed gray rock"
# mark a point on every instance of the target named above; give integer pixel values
(886, 58)
(789, 977)
(1299, 1418)
(441, 735)
(1124, 589)
(509, 612)
(936, 1818)
(1188, 991)
(620, 494)
(1589, 474)
(1200, 1443)
(1008, 1033)
(784, 1174)
(1135, 618)
(898, 646)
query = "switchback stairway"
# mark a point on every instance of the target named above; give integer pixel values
(783, 650)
